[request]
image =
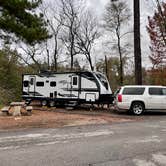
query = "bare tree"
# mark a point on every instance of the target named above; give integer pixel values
(69, 12)
(54, 24)
(32, 55)
(76, 28)
(117, 15)
(87, 34)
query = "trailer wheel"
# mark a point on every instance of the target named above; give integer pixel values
(44, 103)
(52, 103)
(28, 102)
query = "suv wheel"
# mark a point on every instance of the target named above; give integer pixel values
(137, 108)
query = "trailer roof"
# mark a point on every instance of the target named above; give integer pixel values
(65, 72)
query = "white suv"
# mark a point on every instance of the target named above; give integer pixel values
(137, 99)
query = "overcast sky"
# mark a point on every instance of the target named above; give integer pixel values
(147, 9)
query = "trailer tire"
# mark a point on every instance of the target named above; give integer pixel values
(44, 103)
(52, 103)
(28, 102)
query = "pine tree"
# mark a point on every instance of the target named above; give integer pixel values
(19, 17)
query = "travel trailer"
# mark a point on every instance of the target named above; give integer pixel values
(67, 88)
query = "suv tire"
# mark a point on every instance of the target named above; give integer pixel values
(137, 108)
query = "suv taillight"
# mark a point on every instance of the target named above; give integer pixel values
(119, 98)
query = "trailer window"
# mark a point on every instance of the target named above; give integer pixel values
(26, 83)
(88, 76)
(40, 84)
(32, 81)
(75, 82)
(53, 84)
(103, 80)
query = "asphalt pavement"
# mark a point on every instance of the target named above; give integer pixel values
(138, 143)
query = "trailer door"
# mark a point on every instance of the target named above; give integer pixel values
(32, 82)
(75, 86)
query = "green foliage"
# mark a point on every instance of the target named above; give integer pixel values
(113, 72)
(18, 17)
(156, 76)
(10, 76)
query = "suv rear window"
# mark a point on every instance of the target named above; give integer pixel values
(133, 91)
(155, 91)
(164, 91)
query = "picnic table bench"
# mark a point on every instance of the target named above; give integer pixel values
(5, 110)
(16, 109)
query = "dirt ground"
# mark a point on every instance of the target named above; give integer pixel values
(53, 118)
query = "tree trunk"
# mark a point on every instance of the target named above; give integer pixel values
(36, 62)
(48, 60)
(55, 53)
(106, 67)
(120, 57)
(90, 62)
(72, 39)
(72, 59)
(55, 61)
(137, 44)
